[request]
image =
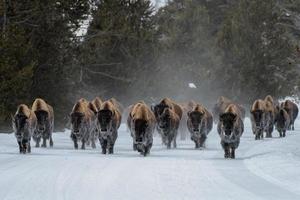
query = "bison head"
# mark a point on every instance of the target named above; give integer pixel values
(105, 121)
(140, 127)
(258, 116)
(42, 120)
(20, 124)
(196, 120)
(77, 124)
(158, 109)
(227, 120)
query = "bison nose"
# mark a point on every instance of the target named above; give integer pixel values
(103, 129)
(196, 130)
(76, 131)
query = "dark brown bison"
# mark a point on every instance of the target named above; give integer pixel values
(282, 122)
(258, 118)
(82, 123)
(230, 129)
(108, 123)
(199, 123)
(221, 106)
(141, 123)
(270, 116)
(292, 109)
(95, 106)
(160, 107)
(168, 124)
(24, 124)
(45, 122)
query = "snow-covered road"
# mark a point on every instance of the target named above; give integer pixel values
(268, 169)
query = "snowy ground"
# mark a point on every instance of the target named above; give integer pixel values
(268, 169)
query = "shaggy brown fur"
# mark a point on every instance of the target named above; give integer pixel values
(141, 123)
(169, 124)
(24, 124)
(258, 118)
(292, 109)
(270, 117)
(200, 123)
(82, 121)
(108, 123)
(230, 129)
(45, 122)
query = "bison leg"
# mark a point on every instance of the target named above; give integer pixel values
(83, 144)
(37, 144)
(51, 141)
(75, 143)
(24, 145)
(44, 142)
(169, 143)
(226, 149)
(293, 127)
(29, 147)
(202, 140)
(283, 133)
(146, 150)
(232, 153)
(280, 134)
(103, 145)
(20, 147)
(93, 142)
(111, 147)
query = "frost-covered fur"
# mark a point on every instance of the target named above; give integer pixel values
(45, 122)
(24, 124)
(141, 123)
(258, 118)
(82, 123)
(282, 122)
(108, 123)
(199, 123)
(230, 129)
(169, 124)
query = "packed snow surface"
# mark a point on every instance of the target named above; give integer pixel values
(267, 169)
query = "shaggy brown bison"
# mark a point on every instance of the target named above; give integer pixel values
(45, 122)
(230, 129)
(292, 109)
(199, 123)
(82, 123)
(168, 124)
(258, 118)
(222, 104)
(141, 123)
(24, 123)
(108, 123)
(270, 116)
(95, 106)
(159, 108)
(282, 122)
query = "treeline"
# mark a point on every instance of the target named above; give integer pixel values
(131, 51)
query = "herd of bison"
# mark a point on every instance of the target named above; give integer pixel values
(101, 120)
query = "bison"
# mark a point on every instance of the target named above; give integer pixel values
(141, 123)
(282, 122)
(168, 124)
(258, 118)
(24, 124)
(108, 123)
(230, 129)
(199, 123)
(82, 123)
(292, 109)
(45, 122)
